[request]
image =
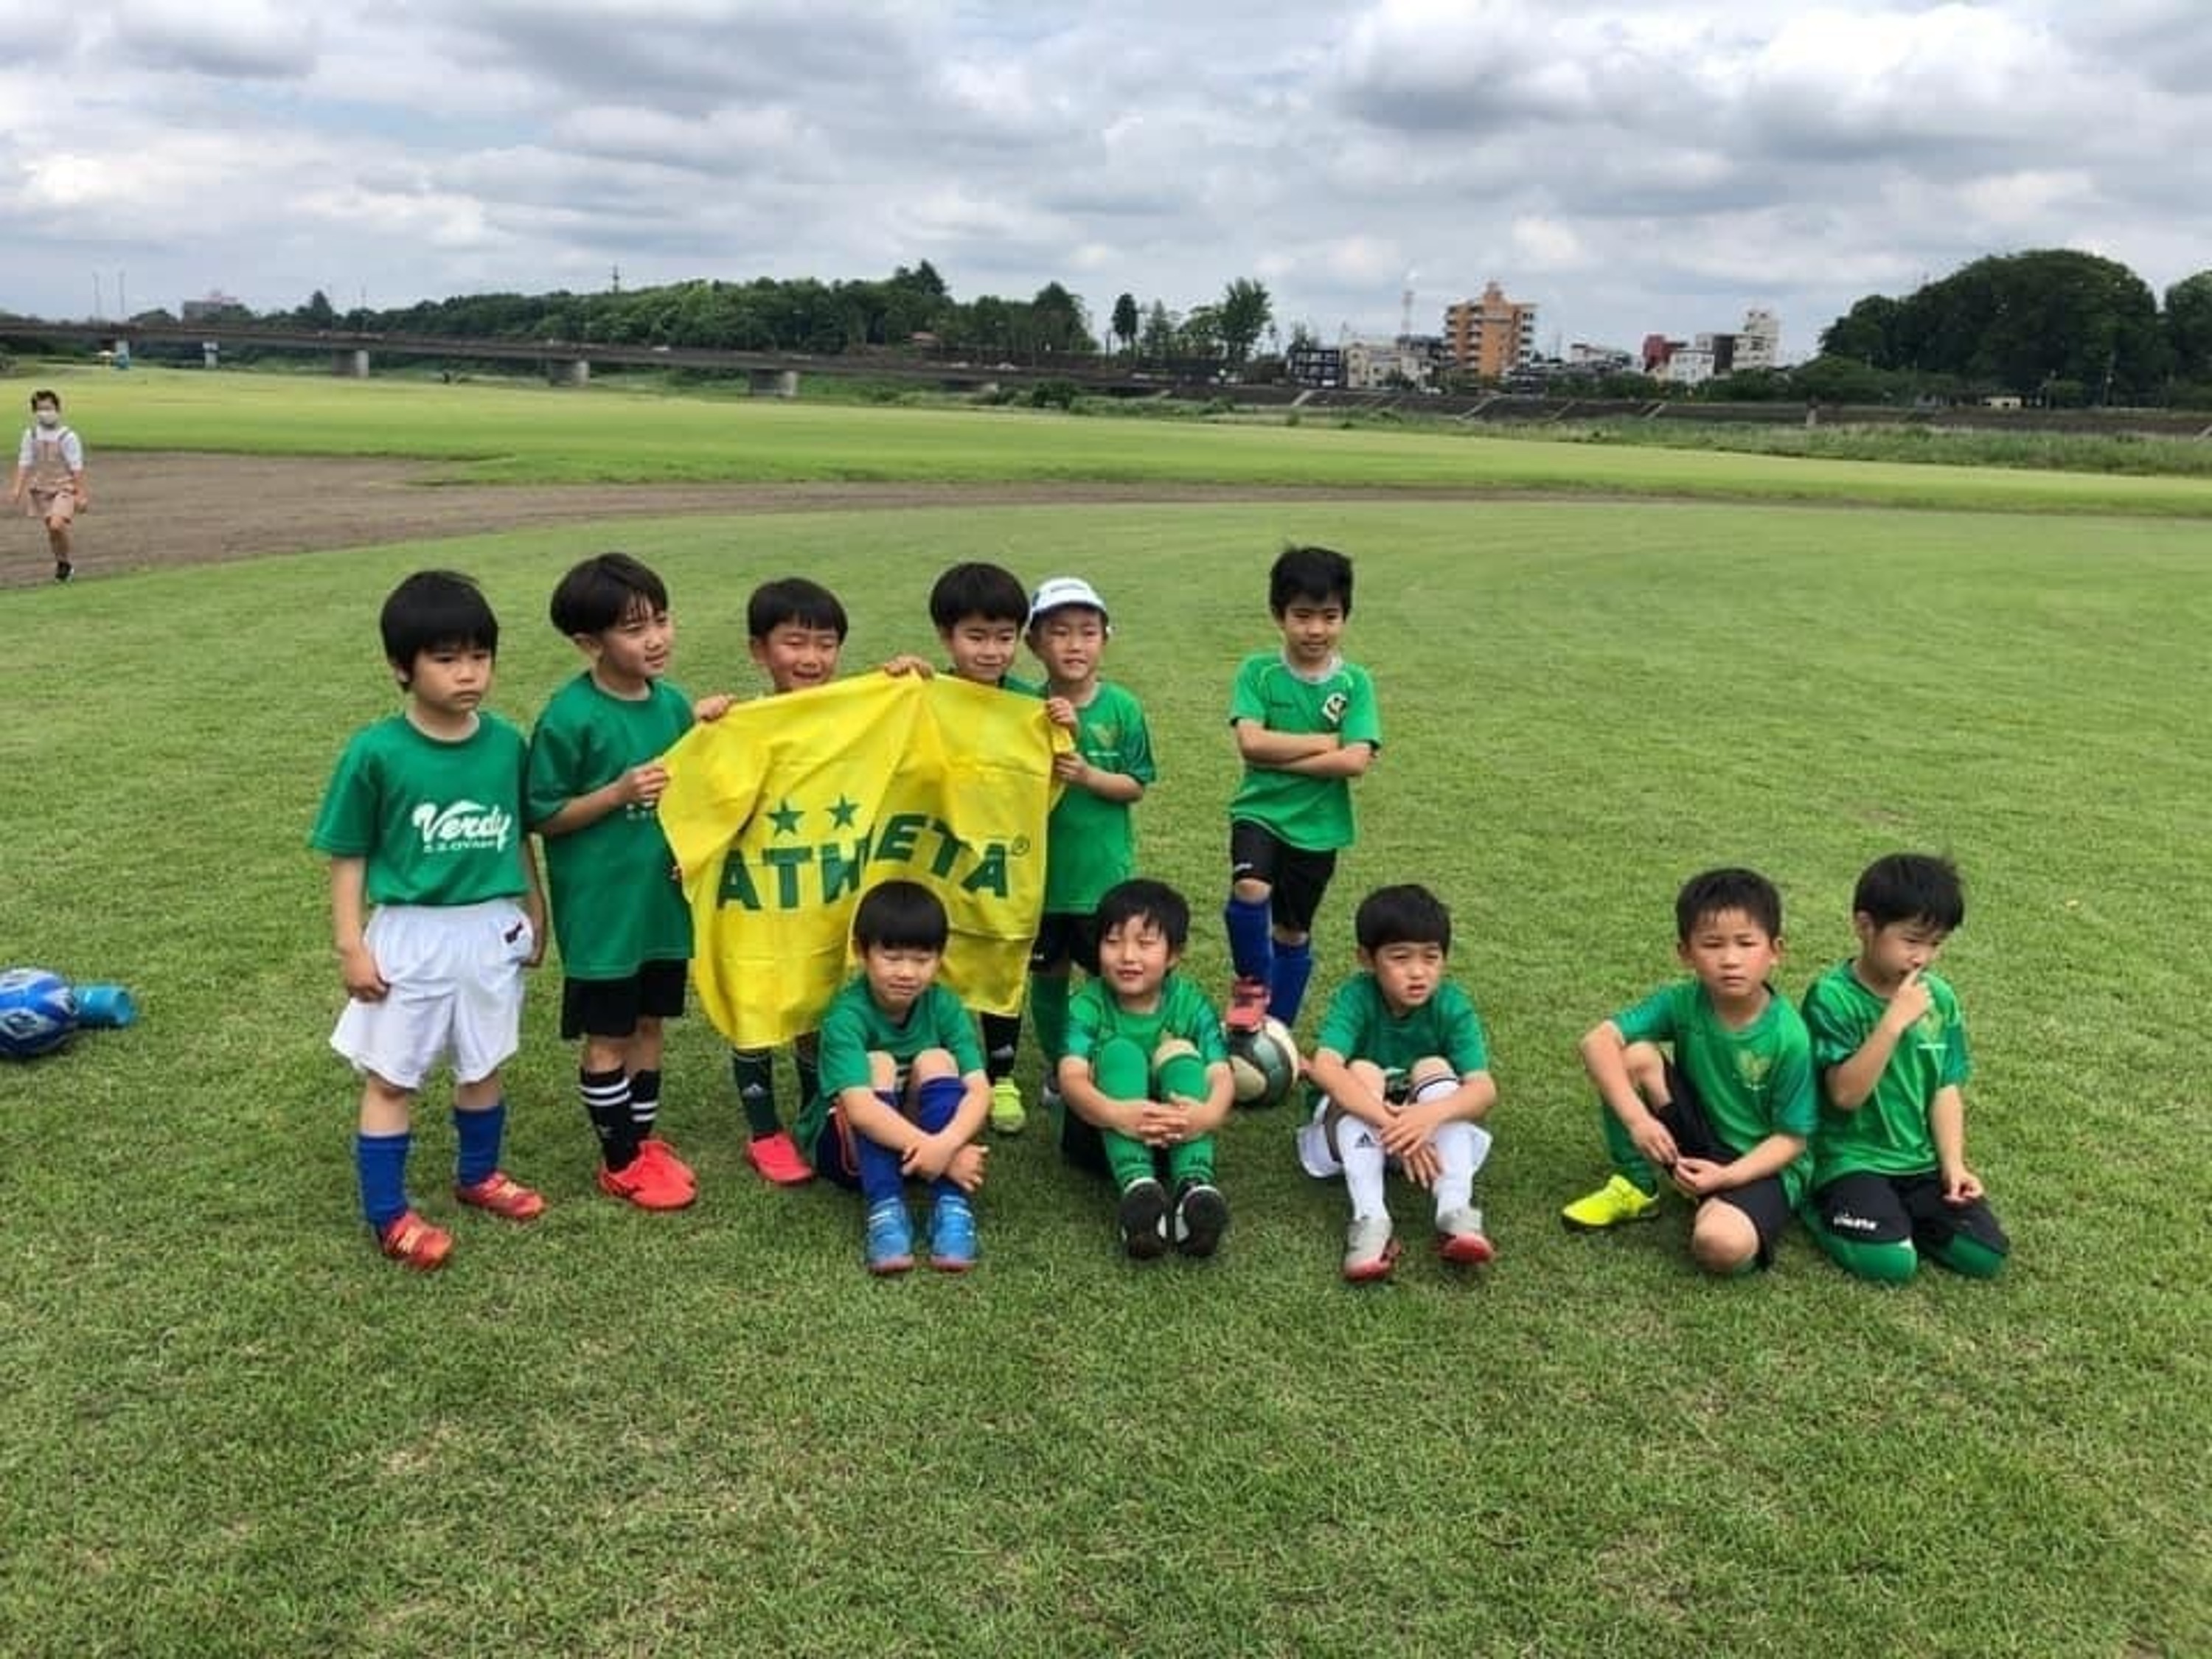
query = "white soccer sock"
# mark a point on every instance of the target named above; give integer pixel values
(1361, 1154)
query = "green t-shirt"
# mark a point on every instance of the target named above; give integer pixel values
(1889, 1133)
(612, 883)
(1094, 1017)
(437, 822)
(1754, 1082)
(1311, 814)
(854, 1027)
(1360, 1025)
(1090, 843)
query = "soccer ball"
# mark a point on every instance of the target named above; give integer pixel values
(38, 1011)
(1263, 1063)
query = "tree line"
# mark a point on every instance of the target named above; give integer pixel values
(911, 309)
(2050, 325)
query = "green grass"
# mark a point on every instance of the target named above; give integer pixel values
(509, 433)
(229, 1429)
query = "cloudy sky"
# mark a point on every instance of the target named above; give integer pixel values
(1629, 167)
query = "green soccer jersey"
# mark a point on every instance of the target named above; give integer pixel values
(854, 1027)
(612, 883)
(436, 822)
(1090, 843)
(1889, 1133)
(1754, 1082)
(1360, 1025)
(1311, 814)
(1094, 1017)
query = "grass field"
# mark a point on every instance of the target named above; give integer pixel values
(510, 433)
(229, 1429)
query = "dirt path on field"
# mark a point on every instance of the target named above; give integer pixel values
(153, 509)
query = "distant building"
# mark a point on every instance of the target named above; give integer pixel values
(1309, 363)
(1599, 359)
(1758, 341)
(1383, 366)
(214, 306)
(1491, 336)
(1693, 364)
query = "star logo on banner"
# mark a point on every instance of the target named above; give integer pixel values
(841, 813)
(786, 818)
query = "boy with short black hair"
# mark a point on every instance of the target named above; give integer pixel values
(1091, 842)
(1147, 1076)
(1306, 725)
(1727, 1117)
(796, 631)
(1890, 1179)
(902, 1092)
(624, 931)
(50, 473)
(978, 611)
(423, 819)
(1401, 1075)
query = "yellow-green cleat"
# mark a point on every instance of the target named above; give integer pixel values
(1008, 1115)
(1620, 1199)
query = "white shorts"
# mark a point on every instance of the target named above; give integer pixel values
(456, 977)
(1319, 1160)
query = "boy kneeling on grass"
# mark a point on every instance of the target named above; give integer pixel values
(904, 1093)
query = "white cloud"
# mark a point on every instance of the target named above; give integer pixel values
(1632, 168)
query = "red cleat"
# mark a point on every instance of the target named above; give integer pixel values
(1248, 1006)
(414, 1243)
(776, 1156)
(504, 1196)
(646, 1182)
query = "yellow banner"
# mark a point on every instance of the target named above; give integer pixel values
(782, 812)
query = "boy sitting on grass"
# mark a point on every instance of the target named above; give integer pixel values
(903, 1093)
(1147, 1074)
(1726, 1119)
(1401, 1077)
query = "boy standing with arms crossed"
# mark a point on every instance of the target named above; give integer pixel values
(1728, 1117)
(1402, 1075)
(423, 820)
(1306, 725)
(1891, 1182)
(625, 932)
(1090, 843)
(1147, 1075)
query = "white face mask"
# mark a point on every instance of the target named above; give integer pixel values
(50, 417)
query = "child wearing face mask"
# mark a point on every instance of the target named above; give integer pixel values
(50, 474)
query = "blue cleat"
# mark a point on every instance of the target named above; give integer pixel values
(890, 1238)
(952, 1234)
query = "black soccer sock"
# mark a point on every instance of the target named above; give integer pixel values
(753, 1071)
(644, 1102)
(606, 1102)
(1002, 1040)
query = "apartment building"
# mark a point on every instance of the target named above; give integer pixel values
(1493, 335)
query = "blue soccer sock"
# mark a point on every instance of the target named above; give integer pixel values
(881, 1177)
(480, 1133)
(1286, 982)
(1251, 938)
(936, 1102)
(380, 1162)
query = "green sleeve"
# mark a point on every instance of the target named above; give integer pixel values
(844, 1046)
(1654, 1020)
(345, 828)
(1362, 715)
(1462, 1032)
(1344, 1027)
(955, 1029)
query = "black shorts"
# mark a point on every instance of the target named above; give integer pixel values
(612, 1007)
(1065, 936)
(1296, 878)
(1765, 1202)
(1870, 1208)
